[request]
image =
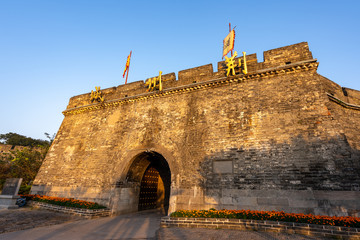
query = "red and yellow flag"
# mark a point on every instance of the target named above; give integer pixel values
(127, 66)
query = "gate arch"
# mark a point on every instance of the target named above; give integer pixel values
(151, 173)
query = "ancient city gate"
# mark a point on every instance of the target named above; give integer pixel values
(277, 137)
(149, 177)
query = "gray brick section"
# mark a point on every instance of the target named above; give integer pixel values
(266, 226)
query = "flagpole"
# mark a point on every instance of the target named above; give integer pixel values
(127, 72)
(229, 32)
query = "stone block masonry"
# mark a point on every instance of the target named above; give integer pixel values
(281, 137)
(331, 232)
(86, 213)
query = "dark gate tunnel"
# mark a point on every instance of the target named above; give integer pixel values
(151, 171)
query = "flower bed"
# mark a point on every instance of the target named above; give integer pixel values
(87, 213)
(65, 202)
(323, 231)
(270, 215)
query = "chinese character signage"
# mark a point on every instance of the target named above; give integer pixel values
(97, 96)
(231, 64)
(154, 83)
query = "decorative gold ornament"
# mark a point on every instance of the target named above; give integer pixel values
(96, 96)
(231, 64)
(244, 69)
(154, 83)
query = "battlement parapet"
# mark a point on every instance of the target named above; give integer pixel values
(287, 55)
(283, 57)
(197, 74)
(310, 65)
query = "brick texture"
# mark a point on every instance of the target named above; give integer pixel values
(332, 232)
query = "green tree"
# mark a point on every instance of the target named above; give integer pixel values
(20, 140)
(23, 163)
(51, 138)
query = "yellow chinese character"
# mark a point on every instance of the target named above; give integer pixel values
(96, 95)
(244, 70)
(154, 83)
(230, 63)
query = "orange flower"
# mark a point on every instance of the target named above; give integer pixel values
(271, 215)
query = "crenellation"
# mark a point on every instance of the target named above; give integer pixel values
(125, 90)
(79, 100)
(197, 74)
(287, 55)
(168, 80)
(251, 61)
(353, 96)
(121, 91)
(273, 58)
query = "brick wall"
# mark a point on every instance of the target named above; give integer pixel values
(266, 226)
(268, 140)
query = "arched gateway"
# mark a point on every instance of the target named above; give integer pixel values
(150, 174)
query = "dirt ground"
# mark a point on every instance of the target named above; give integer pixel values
(27, 217)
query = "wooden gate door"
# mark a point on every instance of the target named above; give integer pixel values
(149, 189)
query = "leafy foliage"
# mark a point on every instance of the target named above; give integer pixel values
(270, 215)
(67, 202)
(23, 162)
(20, 140)
(51, 138)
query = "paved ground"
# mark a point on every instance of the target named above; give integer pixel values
(219, 234)
(141, 225)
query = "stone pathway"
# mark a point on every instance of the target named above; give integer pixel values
(217, 234)
(34, 224)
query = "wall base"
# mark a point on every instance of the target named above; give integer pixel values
(330, 203)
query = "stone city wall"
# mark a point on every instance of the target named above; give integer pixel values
(273, 139)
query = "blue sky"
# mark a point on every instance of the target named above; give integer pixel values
(53, 50)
